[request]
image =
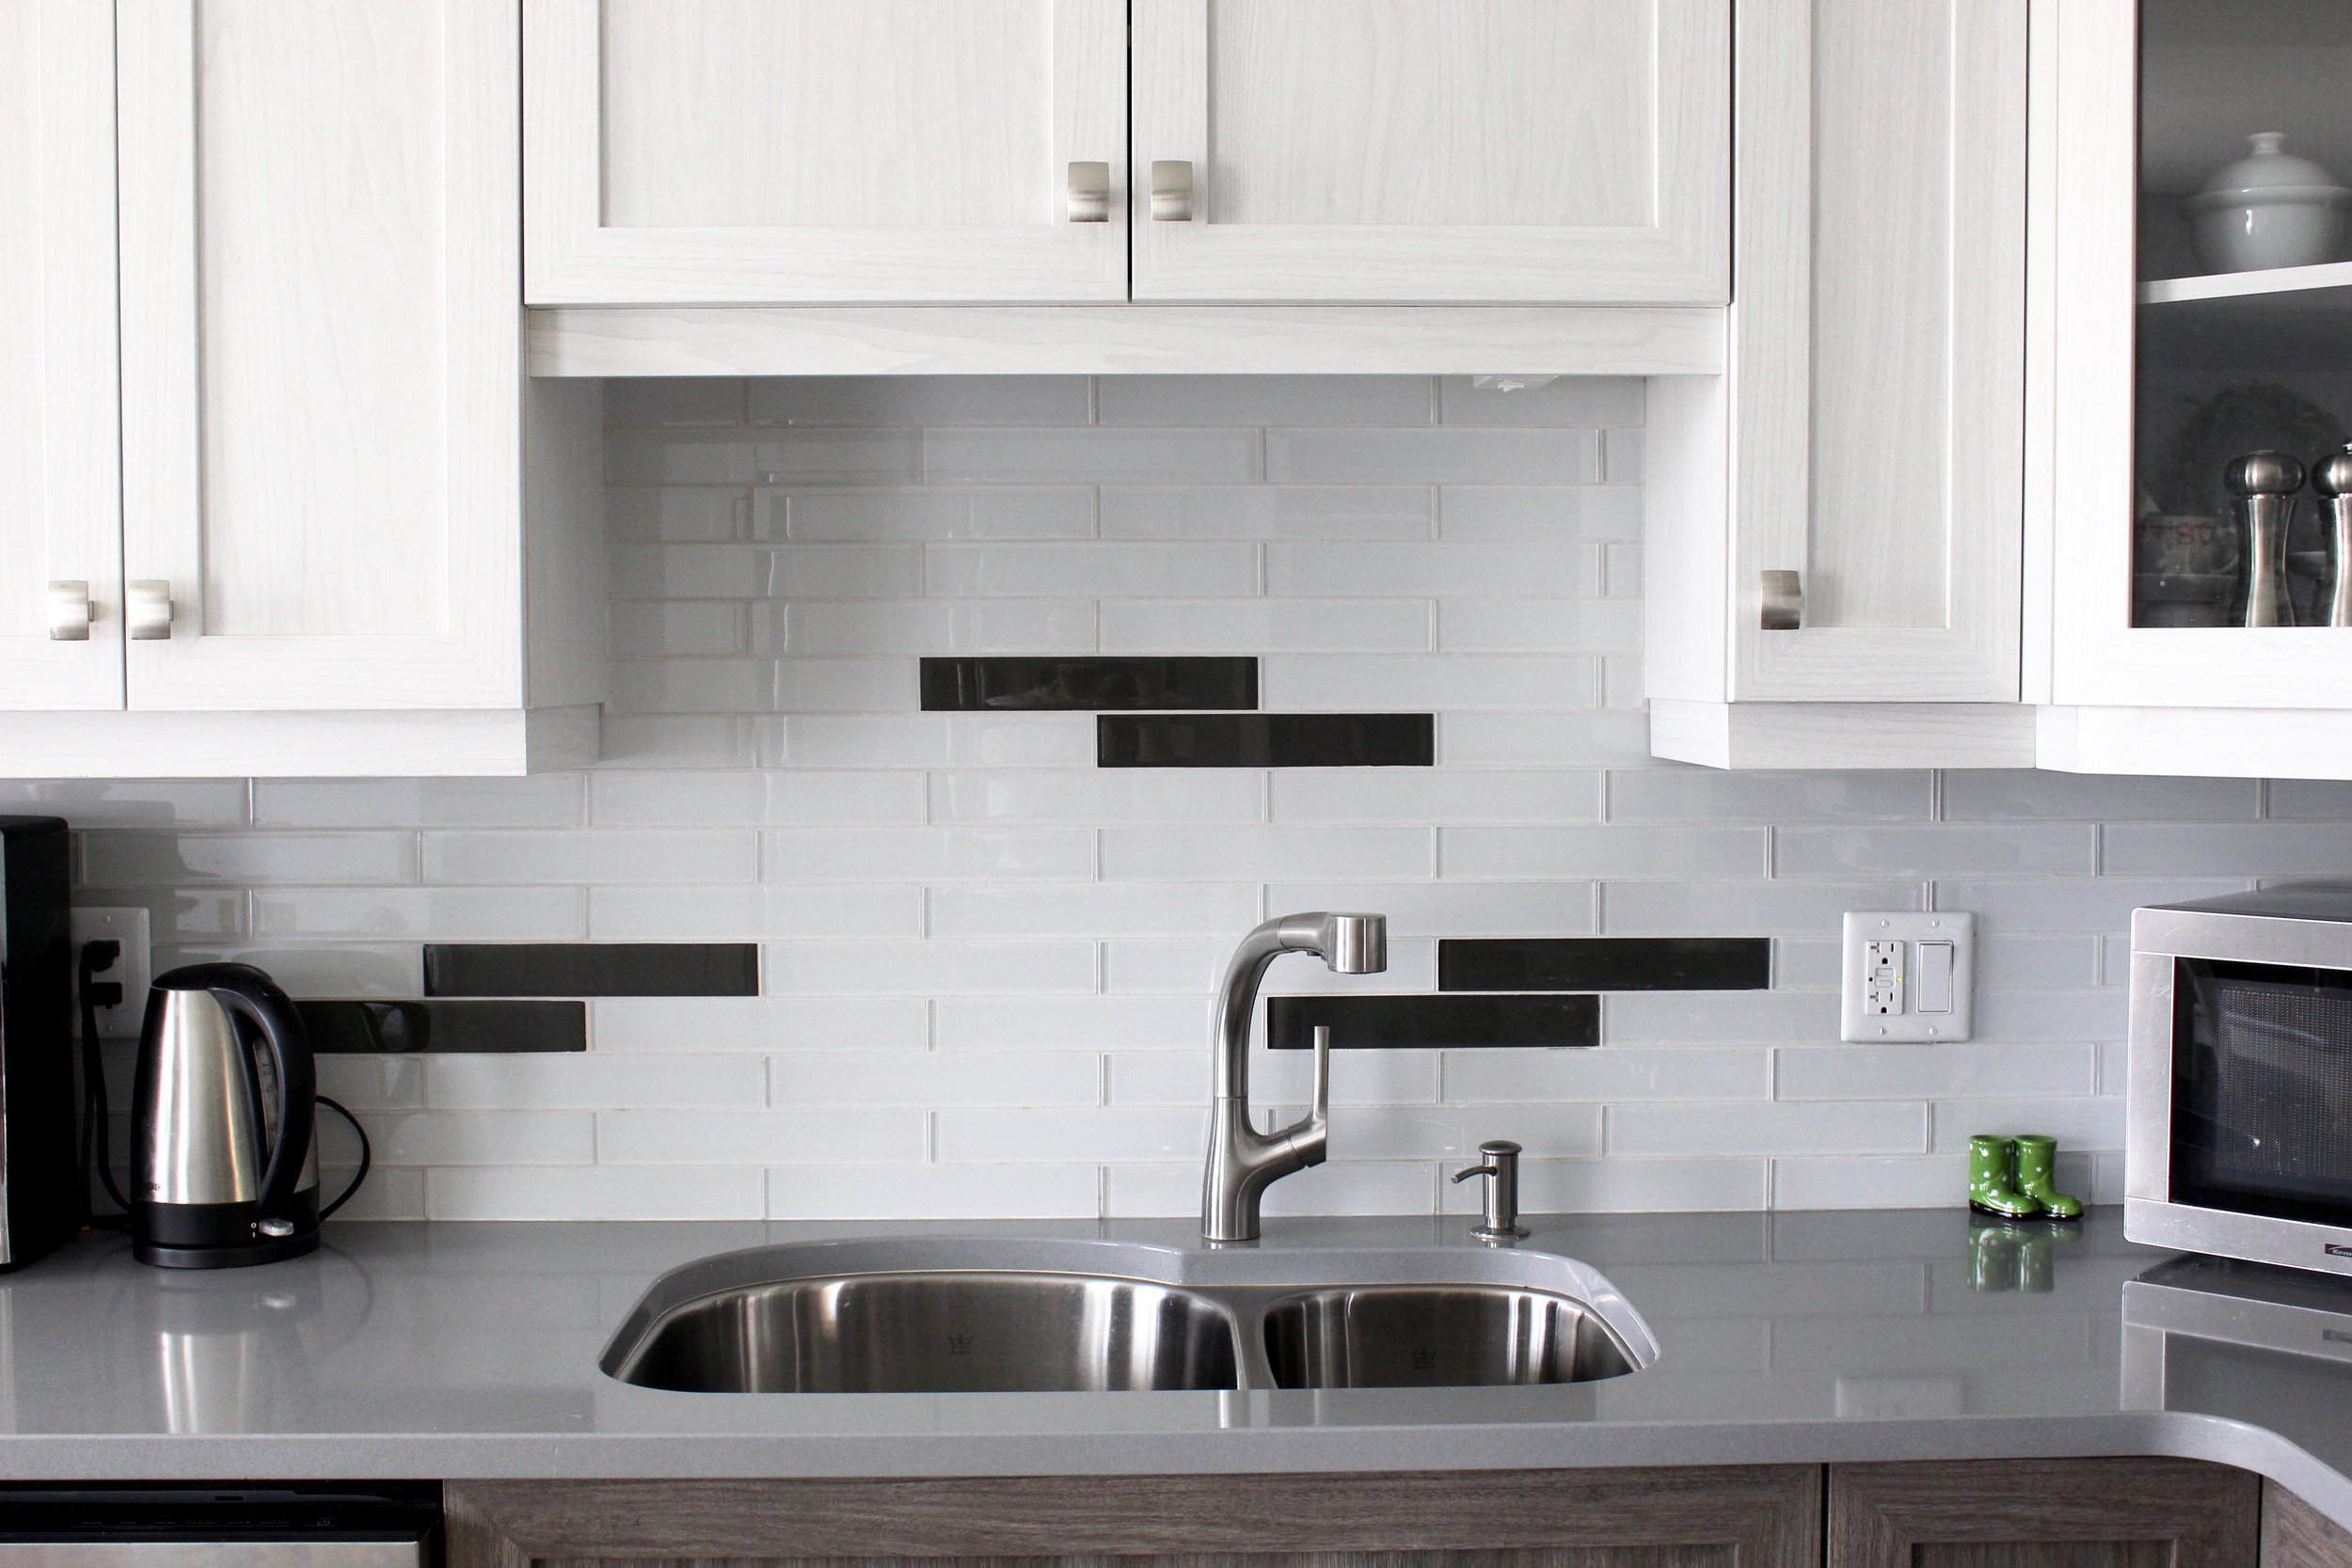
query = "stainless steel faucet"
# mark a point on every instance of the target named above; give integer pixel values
(1243, 1161)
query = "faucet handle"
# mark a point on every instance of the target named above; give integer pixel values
(1319, 1115)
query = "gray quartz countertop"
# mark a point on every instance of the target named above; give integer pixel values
(448, 1350)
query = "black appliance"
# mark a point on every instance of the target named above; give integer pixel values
(38, 1206)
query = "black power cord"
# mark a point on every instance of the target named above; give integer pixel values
(96, 993)
(367, 1155)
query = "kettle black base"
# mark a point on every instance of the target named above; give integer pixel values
(222, 1235)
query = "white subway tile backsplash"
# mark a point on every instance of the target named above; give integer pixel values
(1093, 909)
(905, 1192)
(136, 858)
(872, 513)
(759, 456)
(158, 804)
(1431, 797)
(1072, 1024)
(677, 514)
(644, 800)
(926, 968)
(1497, 570)
(593, 1193)
(930, 1080)
(2223, 848)
(927, 854)
(1704, 795)
(741, 913)
(1096, 455)
(633, 855)
(1454, 682)
(1263, 854)
(1091, 1134)
(597, 1081)
(1549, 909)
(1264, 625)
(924, 626)
(2052, 850)
(1539, 625)
(1100, 570)
(1502, 854)
(691, 1024)
(1537, 514)
(1768, 1129)
(918, 400)
(1187, 794)
(736, 1138)
(988, 963)
(1931, 1071)
(1454, 454)
(1266, 512)
(435, 913)
(1264, 400)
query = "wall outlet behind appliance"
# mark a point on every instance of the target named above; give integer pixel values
(132, 972)
(1908, 977)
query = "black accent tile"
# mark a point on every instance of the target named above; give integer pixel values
(1406, 1022)
(1267, 740)
(592, 968)
(1605, 963)
(1065, 684)
(367, 1028)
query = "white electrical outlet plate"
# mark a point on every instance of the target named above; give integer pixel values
(132, 972)
(1908, 977)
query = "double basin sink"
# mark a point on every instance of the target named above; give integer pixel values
(949, 1314)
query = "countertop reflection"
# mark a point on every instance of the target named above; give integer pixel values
(470, 1350)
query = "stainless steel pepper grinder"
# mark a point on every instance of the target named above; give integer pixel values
(2267, 483)
(2331, 476)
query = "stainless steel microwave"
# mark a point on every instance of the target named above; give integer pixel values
(2238, 1135)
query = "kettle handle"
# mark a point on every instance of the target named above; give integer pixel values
(246, 991)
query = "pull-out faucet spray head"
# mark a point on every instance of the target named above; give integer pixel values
(1356, 944)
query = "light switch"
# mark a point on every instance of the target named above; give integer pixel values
(1910, 974)
(1934, 983)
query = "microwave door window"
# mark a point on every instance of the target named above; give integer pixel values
(2262, 1112)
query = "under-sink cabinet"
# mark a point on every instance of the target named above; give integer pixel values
(899, 151)
(1987, 1513)
(310, 548)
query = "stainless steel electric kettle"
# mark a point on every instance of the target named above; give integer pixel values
(224, 1162)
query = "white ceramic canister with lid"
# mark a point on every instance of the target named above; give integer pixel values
(2269, 209)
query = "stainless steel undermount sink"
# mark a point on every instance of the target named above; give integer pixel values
(978, 1314)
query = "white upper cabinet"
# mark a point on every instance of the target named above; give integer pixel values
(322, 439)
(1878, 351)
(60, 542)
(782, 151)
(1542, 151)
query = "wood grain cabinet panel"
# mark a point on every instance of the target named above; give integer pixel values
(1569, 151)
(1744, 1517)
(60, 517)
(2297, 1535)
(2043, 1514)
(807, 151)
(321, 383)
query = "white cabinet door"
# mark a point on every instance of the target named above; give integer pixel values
(59, 521)
(1544, 151)
(1878, 349)
(778, 151)
(321, 425)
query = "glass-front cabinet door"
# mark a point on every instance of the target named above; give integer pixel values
(2198, 308)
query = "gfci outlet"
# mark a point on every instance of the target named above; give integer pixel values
(132, 972)
(1909, 976)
